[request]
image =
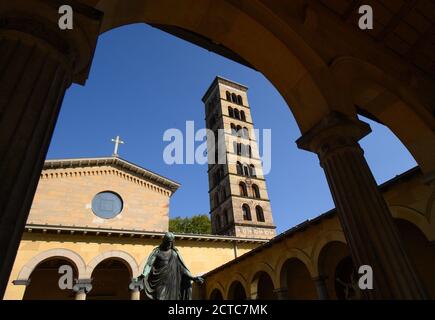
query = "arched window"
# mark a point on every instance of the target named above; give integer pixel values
(246, 212)
(239, 131)
(212, 122)
(260, 214)
(243, 189)
(228, 96)
(233, 129)
(240, 100)
(252, 172)
(242, 115)
(218, 221)
(223, 194)
(234, 98)
(216, 199)
(255, 191)
(249, 152)
(237, 114)
(239, 168)
(231, 112)
(245, 133)
(239, 149)
(246, 170)
(225, 216)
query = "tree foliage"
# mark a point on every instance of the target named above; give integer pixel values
(198, 224)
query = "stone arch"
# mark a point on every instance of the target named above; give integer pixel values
(113, 254)
(415, 217)
(67, 254)
(296, 281)
(421, 252)
(293, 253)
(323, 240)
(304, 86)
(215, 286)
(331, 256)
(237, 277)
(391, 102)
(254, 277)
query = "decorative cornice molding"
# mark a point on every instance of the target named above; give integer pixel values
(135, 171)
(88, 231)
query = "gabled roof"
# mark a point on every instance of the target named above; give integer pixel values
(116, 162)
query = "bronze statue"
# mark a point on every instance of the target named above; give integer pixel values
(165, 275)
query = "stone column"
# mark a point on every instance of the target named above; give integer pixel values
(38, 62)
(364, 215)
(135, 287)
(281, 293)
(321, 288)
(82, 288)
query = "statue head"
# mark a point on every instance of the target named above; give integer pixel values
(168, 241)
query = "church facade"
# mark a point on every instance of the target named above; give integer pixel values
(103, 217)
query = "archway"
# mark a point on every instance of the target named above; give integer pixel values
(421, 253)
(110, 280)
(296, 278)
(236, 291)
(216, 294)
(330, 257)
(262, 286)
(379, 96)
(346, 280)
(44, 281)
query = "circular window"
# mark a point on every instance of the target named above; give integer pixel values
(107, 204)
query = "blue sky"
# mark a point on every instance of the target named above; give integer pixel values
(144, 81)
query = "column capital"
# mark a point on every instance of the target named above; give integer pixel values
(136, 285)
(83, 286)
(334, 131)
(31, 19)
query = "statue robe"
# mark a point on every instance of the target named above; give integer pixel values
(169, 282)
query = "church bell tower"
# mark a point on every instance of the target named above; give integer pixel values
(239, 202)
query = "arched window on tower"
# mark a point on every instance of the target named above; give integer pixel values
(228, 96)
(218, 222)
(223, 194)
(231, 112)
(252, 172)
(245, 133)
(234, 98)
(233, 129)
(246, 170)
(243, 189)
(260, 214)
(239, 131)
(216, 199)
(246, 212)
(239, 168)
(242, 115)
(236, 114)
(240, 100)
(225, 217)
(255, 191)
